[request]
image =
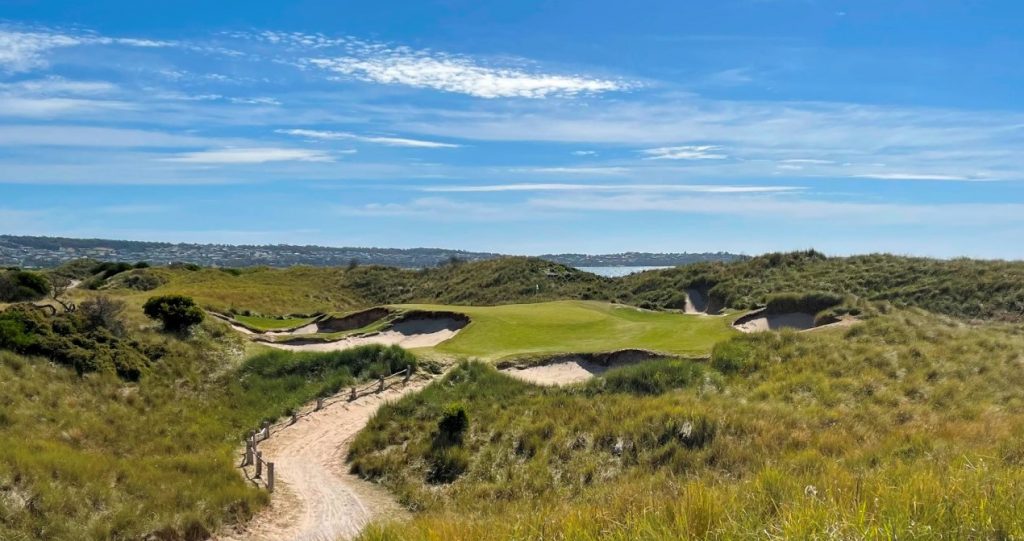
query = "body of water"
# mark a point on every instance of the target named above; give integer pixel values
(617, 271)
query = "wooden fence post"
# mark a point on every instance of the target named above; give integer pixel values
(266, 430)
(354, 395)
(319, 404)
(408, 374)
(295, 418)
(380, 388)
(270, 476)
(248, 453)
(259, 464)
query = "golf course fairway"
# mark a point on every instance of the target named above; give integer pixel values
(533, 330)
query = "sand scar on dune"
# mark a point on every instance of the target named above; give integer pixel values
(762, 320)
(415, 329)
(577, 367)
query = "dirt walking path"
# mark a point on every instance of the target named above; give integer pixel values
(316, 498)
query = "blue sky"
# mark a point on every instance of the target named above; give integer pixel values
(521, 127)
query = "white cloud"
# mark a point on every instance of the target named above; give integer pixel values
(584, 153)
(255, 101)
(388, 141)
(18, 106)
(919, 176)
(24, 51)
(808, 161)
(385, 64)
(251, 155)
(89, 136)
(688, 152)
(792, 209)
(575, 170)
(435, 208)
(667, 188)
(58, 86)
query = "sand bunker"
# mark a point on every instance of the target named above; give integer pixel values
(577, 367)
(412, 330)
(773, 322)
(696, 302)
(563, 373)
(761, 320)
(699, 302)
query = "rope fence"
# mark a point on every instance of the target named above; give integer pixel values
(253, 457)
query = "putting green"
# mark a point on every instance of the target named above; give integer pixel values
(529, 330)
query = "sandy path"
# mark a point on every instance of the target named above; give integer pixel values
(315, 497)
(564, 373)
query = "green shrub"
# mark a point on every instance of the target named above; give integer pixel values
(176, 312)
(141, 280)
(22, 286)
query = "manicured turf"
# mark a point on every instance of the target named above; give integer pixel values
(525, 330)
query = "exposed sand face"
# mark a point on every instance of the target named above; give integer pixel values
(771, 322)
(411, 333)
(565, 369)
(312, 328)
(315, 497)
(695, 302)
(564, 373)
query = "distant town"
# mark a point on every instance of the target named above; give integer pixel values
(43, 252)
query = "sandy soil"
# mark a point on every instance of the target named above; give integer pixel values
(312, 328)
(412, 333)
(315, 497)
(695, 302)
(402, 338)
(563, 373)
(771, 322)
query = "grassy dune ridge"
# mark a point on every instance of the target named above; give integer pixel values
(93, 457)
(960, 287)
(906, 426)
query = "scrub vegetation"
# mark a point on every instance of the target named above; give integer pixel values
(963, 288)
(906, 426)
(94, 456)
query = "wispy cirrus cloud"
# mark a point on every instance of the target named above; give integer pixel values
(662, 188)
(388, 141)
(922, 176)
(384, 63)
(686, 152)
(609, 170)
(753, 206)
(26, 50)
(432, 208)
(251, 156)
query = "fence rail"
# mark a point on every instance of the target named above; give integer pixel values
(253, 457)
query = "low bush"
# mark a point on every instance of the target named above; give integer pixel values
(176, 312)
(86, 340)
(22, 286)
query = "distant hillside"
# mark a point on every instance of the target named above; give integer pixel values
(42, 252)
